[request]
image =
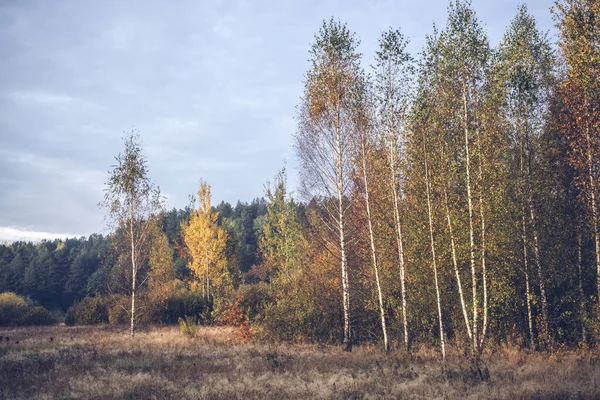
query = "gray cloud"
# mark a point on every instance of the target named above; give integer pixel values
(211, 86)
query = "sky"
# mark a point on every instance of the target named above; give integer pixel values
(211, 86)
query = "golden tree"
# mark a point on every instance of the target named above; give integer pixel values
(206, 242)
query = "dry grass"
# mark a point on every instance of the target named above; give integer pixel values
(102, 363)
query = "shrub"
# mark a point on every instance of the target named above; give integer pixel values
(37, 316)
(189, 326)
(89, 311)
(292, 319)
(12, 307)
(118, 313)
(185, 303)
(231, 313)
(18, 310)
(254, 299)
(248, 303)
(70, 317)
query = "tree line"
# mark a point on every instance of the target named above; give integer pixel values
(458, 189)
(57, 274)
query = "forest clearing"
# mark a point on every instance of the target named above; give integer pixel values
(105, 362)
(442, 240)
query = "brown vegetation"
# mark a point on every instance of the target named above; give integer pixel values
(103, 362)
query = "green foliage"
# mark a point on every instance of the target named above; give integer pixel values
(12, 308)
(37, 316)
(185, 303)
(89, 311)
(254, 299)
(18, 310)
(243, 224)
(281, 243)
(291, 319)
(118, 310)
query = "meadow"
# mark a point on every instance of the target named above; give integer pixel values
(103, 362)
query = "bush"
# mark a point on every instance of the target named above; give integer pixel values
(179, 304)
(292, 319)
(37, 316)
(254, 300)
(18, 310)
(12, 307)
(189, 326)
(184, 303)
(118, 313)
(89, 311)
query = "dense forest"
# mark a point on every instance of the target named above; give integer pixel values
(59, 273)
(449, 197)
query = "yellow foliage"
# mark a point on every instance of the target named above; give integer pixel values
(206, 242)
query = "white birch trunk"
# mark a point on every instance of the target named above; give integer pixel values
(399, 241)
(471, 230)
(433, 257)
(540, 270)
(594, 212)
(581, 293)
(455, 263)
(373, 250)
(524, 239)
(133, 274)
(483, 248)
(527, 288)
(536, 253)
(345, 281)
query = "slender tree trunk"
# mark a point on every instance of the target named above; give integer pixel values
(540, 270)
(133, 275)
(207, 279)
(373, 250)
(455, 263)
(527, 288)
(483, 247)
(581, 293)
(524, 202)
(433, 256)
(393, 145)
(594, 211)
(399, 241)
(524, 239)
(536, 251)
(471, 230)
(345, 281)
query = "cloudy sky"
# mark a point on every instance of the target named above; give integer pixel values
(210, 85)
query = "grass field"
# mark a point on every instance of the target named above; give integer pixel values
(103, 363)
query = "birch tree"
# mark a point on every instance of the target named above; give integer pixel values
(424, 132)
(206, 242)
(526, 63)
(454, 73)
(324, 141)
(364, 122)
(131, 198)
(393, 73)
(428, 188)
(579, 46)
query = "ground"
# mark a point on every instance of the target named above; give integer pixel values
(106, 363)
